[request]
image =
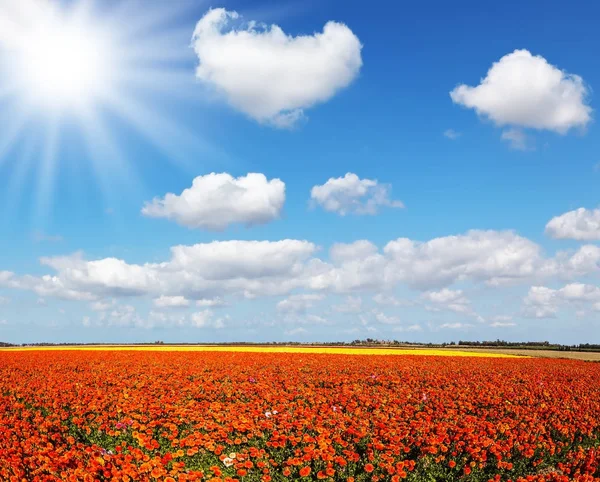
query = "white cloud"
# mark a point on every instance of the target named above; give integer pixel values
(298, 303)
(352, 195)
(543, 302)
(206, 319)
(408, 329)
(452, 134)
(217, 200)
(210, 303)
(361, 249)
(488, 256)
(207, 273)
(269, 75)
(581, 224)
(516, 138)
(453, 300)
(222, 260)
(445, 296)
(4, 300)
(171, 302)
(385, 319)
(540, 302)
(502, 324)
(455, 326)
(525, 90)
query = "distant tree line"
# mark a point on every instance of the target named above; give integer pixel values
(532, 345)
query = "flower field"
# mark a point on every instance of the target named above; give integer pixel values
(102, 415)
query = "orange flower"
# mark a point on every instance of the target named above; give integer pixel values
(304, 471)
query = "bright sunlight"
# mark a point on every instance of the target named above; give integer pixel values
(63, 62)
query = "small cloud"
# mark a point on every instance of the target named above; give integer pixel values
(524, 90)
(171, 302)
(4, 300)
(581, 224)
(215, 201)
(502, 324)
(456, 326)
(452, 134)
(408, 329)
(211, 303)
(352, 195)
(597, 167)
(517, 139)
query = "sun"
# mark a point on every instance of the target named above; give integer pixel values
(74, 73)
(61, 59)
(63, 63)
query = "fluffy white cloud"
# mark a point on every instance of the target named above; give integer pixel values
(217, 200)
(350, 194)
(361, 249)
(206, 319)
(385, 319)
(445, 296)
(207, 273)
(455, 326)
(543, 302)
(210, 303)
(171, 302)
(222, 260)
(525, 90)
(453, 300)
(540, 302)
(489, 256)
(581, 224)
(203, 272)
(269, 75)
(298, 303)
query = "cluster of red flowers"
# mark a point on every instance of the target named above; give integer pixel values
(179, 416)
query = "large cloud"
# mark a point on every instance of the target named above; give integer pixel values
(270, 76)
(581, 224)
(206, 274)
(525, 90)
(350, 194)
(543, 302)
(217, 200)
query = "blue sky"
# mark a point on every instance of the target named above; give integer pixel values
(298, 171)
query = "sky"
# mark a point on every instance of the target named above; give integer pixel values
(298, 171)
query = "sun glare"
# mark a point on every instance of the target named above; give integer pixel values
(62, 64)
(72, 70)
